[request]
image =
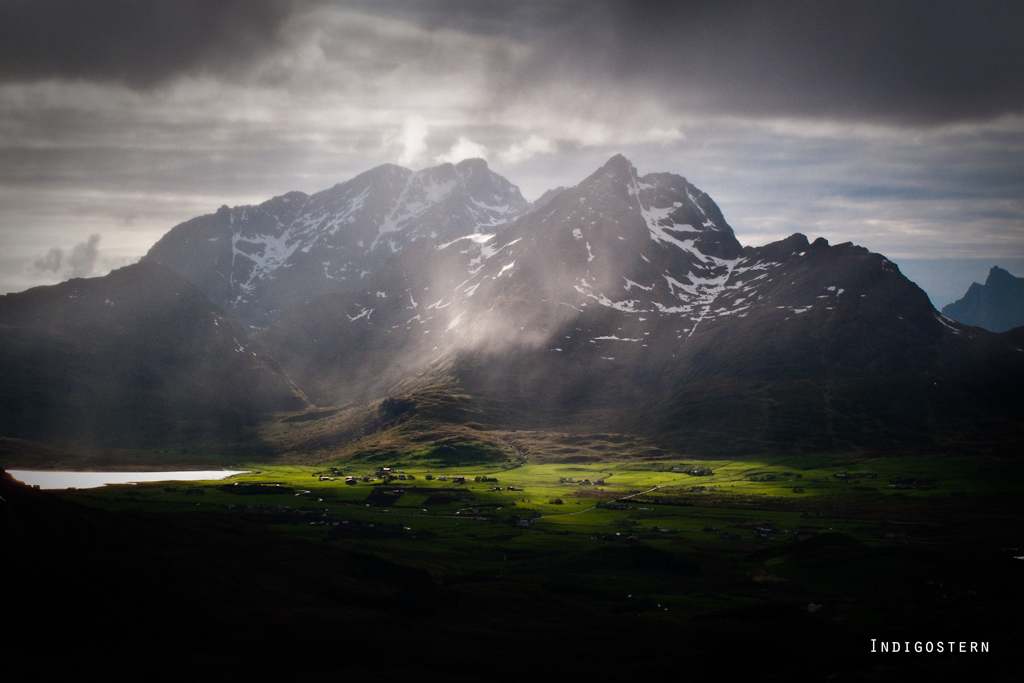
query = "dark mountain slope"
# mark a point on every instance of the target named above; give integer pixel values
(138, 357)
(871, 367)
(1015, 337)
(997, 306)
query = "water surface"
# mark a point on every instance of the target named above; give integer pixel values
(91, 480)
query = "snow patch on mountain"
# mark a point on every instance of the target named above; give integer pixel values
(476, 238)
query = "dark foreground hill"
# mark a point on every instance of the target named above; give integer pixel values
(627, 304)
(997, 305)
(241, 592)
(136, 358)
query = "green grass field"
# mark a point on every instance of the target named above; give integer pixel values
(738, 503)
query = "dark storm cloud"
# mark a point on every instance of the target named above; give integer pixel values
(524, 20)
(913, 61)
(140, 43)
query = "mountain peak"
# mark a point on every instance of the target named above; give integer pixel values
(617, 177)
(618, 165)
(997, 275)
(385, 170)
(474, 165)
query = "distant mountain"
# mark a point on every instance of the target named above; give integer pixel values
(997, 305)
(253, 261)
(626, 303)
(136, 358)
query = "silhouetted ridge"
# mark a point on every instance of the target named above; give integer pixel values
(997, 306)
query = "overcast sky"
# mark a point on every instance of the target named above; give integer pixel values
(898, 126)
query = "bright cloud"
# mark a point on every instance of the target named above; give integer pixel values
(413, 140)
(533, 146)
(463, 149)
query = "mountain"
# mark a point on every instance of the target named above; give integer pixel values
(623, 307)
(997, 305)
(253, 261)
(626, 303)
(136, 358)
(503, 290)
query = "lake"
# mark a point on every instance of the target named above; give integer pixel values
(91, 480)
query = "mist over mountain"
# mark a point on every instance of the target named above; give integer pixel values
(997, 305)
(255, 260)
(136, 358)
